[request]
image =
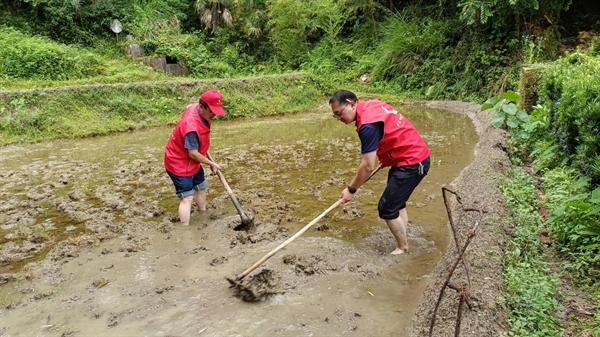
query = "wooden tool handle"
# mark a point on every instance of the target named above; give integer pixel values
(234, 199)
(286, 242)
(300, 232)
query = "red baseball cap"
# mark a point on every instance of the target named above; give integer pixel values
(214, 100)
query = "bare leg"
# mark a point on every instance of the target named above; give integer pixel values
(185, 208)
(398, 228)
(200, 197)
(404, 215)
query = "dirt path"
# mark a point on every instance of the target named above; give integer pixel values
(478, 190)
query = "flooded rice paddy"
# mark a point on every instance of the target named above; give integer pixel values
(90, 244)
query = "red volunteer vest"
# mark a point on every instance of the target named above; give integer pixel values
(401, 144)
(177, 161)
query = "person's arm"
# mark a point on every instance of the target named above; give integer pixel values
(192, 144)
(370, 135)
(202, 159)
(368, 163)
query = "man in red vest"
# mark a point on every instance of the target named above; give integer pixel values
(187, 149)
(388, 136)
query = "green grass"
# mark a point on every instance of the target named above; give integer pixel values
(93, 111)
(531, 287)
(116, 70)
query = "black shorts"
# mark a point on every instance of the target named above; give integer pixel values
(402, 181)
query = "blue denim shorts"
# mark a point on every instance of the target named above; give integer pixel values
(186, 186)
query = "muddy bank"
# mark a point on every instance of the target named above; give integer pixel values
(478, 190)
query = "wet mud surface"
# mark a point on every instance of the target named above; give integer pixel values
(91, 246)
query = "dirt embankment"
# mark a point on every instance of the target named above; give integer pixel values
(478, 190)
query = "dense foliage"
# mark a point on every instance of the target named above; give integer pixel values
(451, 48)
(570, 92)
(26, 57)
(561, 140)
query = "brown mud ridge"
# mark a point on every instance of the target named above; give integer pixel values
(478, 190)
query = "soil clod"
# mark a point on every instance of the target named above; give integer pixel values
(256, 288)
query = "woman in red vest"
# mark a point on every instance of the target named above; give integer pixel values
(187, 149)
(388, 136)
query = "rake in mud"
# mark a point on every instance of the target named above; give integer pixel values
(260, 286)
(245, 221)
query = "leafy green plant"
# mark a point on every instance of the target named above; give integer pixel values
(570, 89)
(507, 112)
(575, 220)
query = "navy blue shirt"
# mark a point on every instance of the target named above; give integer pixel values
(191, 140)
(370, 135)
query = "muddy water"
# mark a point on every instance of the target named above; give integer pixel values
(90, 245)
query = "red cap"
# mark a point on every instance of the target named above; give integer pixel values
(214, 99)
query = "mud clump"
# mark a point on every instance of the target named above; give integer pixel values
(323, 227)
(262, 232)
(218, 260)
(99, 283)
(5, 278)
(256, 288)
(308, 265)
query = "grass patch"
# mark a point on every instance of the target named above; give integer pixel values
(29, 61)
(100, 110)
(531, 288)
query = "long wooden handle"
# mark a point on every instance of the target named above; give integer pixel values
(300, 232)
(286, 242)
(234, 199)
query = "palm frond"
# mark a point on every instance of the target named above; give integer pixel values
(227, 18)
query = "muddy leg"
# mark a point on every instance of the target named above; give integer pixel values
(185, 208)
(200, 197)
(398, 228)
(404, 215)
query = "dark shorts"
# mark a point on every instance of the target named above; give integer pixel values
(402, 181)
(186, 186)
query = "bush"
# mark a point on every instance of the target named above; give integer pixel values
(407, 44)
(571, 92)
(433, 58)
(574, 221)
(27, 57)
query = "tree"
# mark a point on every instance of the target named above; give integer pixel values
(214, 13)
